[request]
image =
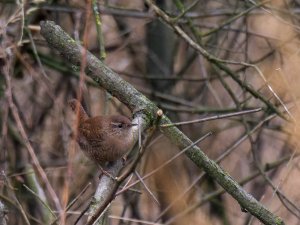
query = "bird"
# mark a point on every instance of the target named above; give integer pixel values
(103, 138)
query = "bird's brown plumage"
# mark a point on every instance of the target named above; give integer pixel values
(103, 138)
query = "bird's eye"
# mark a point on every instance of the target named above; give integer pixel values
(120, 125)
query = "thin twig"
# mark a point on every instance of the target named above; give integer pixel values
(44, 203)
(186, 10)
(134, 220)
(284, 175)
(37, 55)
(233, 19)
(16, 200)
(213, 118)
(23, 21)
(141, 179)
(73, 202)
(18, 208)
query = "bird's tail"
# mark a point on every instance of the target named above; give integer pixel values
(76, 105)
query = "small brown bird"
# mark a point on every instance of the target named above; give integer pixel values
(103, 138)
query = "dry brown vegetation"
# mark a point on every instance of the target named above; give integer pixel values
(260, 44)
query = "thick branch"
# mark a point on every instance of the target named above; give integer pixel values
(144, 108)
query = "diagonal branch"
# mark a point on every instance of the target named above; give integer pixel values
(146, 110)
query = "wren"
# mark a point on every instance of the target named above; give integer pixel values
(103, 138)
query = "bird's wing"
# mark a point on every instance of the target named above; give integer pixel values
(92, 131)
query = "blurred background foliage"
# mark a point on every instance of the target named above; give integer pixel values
(145, 51)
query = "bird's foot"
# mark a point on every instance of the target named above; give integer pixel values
(106, 173)
(124, 160)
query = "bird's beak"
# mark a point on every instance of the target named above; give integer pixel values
(133, 124)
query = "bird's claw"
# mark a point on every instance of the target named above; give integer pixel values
(105, 172)
(124, 160)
